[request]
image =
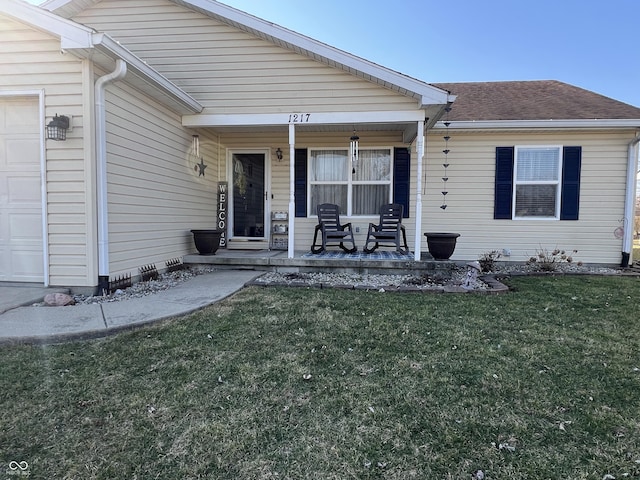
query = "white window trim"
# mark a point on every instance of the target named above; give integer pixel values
(557, 182)
(349, 182)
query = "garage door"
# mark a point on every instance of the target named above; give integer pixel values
(21, 258)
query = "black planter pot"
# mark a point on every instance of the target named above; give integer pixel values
(207, 241)
(441, 244)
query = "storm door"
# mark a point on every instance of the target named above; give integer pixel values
(249, 195)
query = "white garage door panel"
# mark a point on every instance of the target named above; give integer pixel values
(22, 153)
(26, 265)
(21, 247)
(25, 228)
(24, 192)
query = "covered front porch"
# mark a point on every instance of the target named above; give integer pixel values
(310, 125)
(268, 193)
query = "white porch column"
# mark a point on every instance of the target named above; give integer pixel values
(420, 151)
(292, 187)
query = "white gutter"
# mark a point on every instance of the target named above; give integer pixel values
(630, 199)
(101, 160)
(530, 124)
(139, 68)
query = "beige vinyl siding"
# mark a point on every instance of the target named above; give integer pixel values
(471, 192)
(230, 71)
(471, 196)
(31, 60)
(155, 196)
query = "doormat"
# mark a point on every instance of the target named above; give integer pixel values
(378, 255)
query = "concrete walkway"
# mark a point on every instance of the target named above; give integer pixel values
(22, 323)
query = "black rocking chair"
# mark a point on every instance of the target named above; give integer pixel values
(389, 230)
(331, 230)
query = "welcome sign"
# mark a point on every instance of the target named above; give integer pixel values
(222, 212)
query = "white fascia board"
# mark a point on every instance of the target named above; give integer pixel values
(427, 94)
(138, 67)
(71, 34)
(52, 5)
(335, 118)
(538, 124)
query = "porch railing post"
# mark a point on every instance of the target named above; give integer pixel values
(292, 199)
(420, 152)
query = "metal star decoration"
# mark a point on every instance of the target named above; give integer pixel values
(200, 167)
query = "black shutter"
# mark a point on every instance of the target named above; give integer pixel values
(503, 183)
(570, 196)
(401, 178)
(300, 182)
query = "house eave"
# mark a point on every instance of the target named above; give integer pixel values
(539, 124)
(85, 42)
(71, 34)
(170, 93)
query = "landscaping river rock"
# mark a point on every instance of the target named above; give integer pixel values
(451, 280)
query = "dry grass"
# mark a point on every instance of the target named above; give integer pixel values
(543, 382)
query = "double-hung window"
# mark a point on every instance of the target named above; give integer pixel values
(537, 177)
(537, 182)
(359, 189)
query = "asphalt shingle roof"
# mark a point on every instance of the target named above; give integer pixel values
(532, 100)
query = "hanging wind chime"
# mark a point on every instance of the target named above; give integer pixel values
(199, 167)
(446, 151)
(353, 151)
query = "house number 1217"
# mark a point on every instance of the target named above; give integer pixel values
(299, 117)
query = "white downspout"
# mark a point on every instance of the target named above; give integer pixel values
(420, 152)
(630, 201)
(101, 183)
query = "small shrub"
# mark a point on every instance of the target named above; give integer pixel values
(548, 261)
(488, 260)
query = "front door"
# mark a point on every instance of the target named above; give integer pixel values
(249, 197)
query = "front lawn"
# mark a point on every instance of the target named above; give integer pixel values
(542, 382)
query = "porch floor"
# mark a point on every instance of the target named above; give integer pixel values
(380, 262)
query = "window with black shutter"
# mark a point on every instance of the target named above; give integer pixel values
(370, 181)
(537, 182)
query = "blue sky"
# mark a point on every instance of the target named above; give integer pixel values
(587, 43)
